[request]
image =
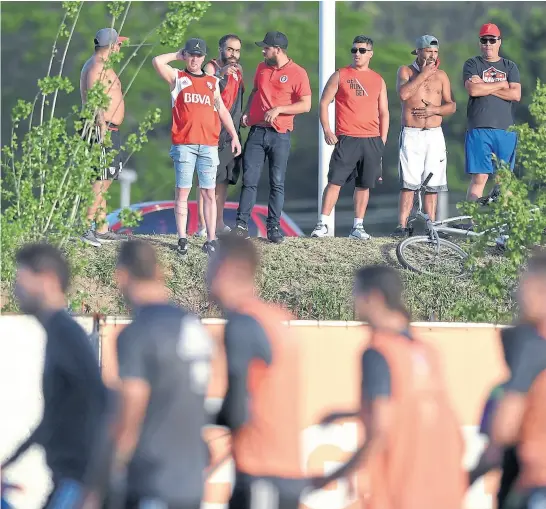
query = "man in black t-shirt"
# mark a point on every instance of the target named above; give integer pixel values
(164, 360)
(493, 86)
(74, 395)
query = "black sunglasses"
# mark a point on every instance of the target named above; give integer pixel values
(362, 51)
(488, 40)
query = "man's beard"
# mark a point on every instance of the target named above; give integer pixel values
(229, 60)
(271, 61)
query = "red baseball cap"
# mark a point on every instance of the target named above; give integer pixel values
(490, 29)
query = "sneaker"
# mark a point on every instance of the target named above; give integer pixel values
(110, 236)
(223, 231)
(321, 230)
(400, 231)
(201, 233)
(241, 230)
(274, 235)
(182, 247)
(210, 247)
(359, 233)
(89, 238)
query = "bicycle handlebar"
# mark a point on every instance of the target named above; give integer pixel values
(427, 180)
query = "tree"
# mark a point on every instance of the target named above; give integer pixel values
(48, 165)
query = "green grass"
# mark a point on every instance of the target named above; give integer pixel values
(312, 277)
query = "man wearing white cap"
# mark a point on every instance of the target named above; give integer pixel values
(425, 92)
(106, 41)
(493, 86)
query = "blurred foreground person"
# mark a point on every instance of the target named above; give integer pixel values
(164, 358)
(413, 453)
(263, 359)
(74, 395)
(520, 419)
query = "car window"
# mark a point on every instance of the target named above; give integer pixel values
(230, 218)
(157, 222)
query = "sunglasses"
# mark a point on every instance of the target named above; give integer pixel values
(488, 40)
(362, 51)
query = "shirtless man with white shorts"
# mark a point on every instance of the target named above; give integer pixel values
(425, 92)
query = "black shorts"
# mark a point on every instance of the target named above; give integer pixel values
(108, 171)
(356, 158)
(229, 168)
(252, 492)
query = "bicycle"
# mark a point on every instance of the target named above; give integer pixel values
(432, 242)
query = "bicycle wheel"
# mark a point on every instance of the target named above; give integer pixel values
(423, 255)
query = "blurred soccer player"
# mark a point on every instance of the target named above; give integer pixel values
(74, 395)
(164, 359)
(413, 451)
(520, 418)
(263, 359)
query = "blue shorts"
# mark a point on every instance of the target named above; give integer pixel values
(187, 158)
(480, 144)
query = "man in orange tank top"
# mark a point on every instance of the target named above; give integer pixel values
(362, 124)
(413, 452)
(197, 109)
(425, 92)
(520, 418)
(281, 91)
(230, 79)
(263, 359)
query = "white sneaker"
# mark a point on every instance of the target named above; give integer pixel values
(201, 233)
(359, 233)
(321, 230)
(223, 231)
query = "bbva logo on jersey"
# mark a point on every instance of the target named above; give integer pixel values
(197, 99)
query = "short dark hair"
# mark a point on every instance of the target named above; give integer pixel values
(139, 258)
(385, 280)
(241, 250)
(362, 39)
(41, 258)
(226, 38)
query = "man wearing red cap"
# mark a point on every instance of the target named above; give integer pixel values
(106, 41)
(493, 86)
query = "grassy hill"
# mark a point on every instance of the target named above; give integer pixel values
(313, 277)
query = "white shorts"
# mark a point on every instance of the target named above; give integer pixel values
(422, 151)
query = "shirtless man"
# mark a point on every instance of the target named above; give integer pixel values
(107, 41)
(426, 97)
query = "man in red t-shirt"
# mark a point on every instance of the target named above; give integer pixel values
(362, 125)
(197, 109)
(230, 79)
(281, 91)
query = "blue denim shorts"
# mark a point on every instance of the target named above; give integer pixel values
(187, 158)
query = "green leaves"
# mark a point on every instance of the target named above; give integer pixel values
(50, 84)
(177, 20)
(21, 111)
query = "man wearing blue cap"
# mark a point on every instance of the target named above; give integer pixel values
(425, 92)
(106, 41)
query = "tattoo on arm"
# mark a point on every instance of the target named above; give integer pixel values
(217, 103)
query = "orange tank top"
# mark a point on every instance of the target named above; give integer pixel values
(421, 466)
(195, 119)
(532, 446)
(357, 103)
(269, 443)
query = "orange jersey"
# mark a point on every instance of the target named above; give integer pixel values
(195, 119)
(277, 87)
(357, 103)
(269, 443)
(421, 465)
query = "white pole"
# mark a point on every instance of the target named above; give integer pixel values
(327, 66)
(443, 206)
(126, 178)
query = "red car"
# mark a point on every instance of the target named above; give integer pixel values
(158, 219)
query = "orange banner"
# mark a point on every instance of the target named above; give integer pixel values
(473, 363)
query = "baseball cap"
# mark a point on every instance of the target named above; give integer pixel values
(196, 46)
(274, 39)
(425, 41)
(490, 29)
(107, 36)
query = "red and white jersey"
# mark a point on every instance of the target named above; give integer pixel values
(195, 119)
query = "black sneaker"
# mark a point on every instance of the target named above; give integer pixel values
(182, 247)
(274, 235)
(400, 231)
(89, 238)
(241, 230)
(210, 247)
(110, 236)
